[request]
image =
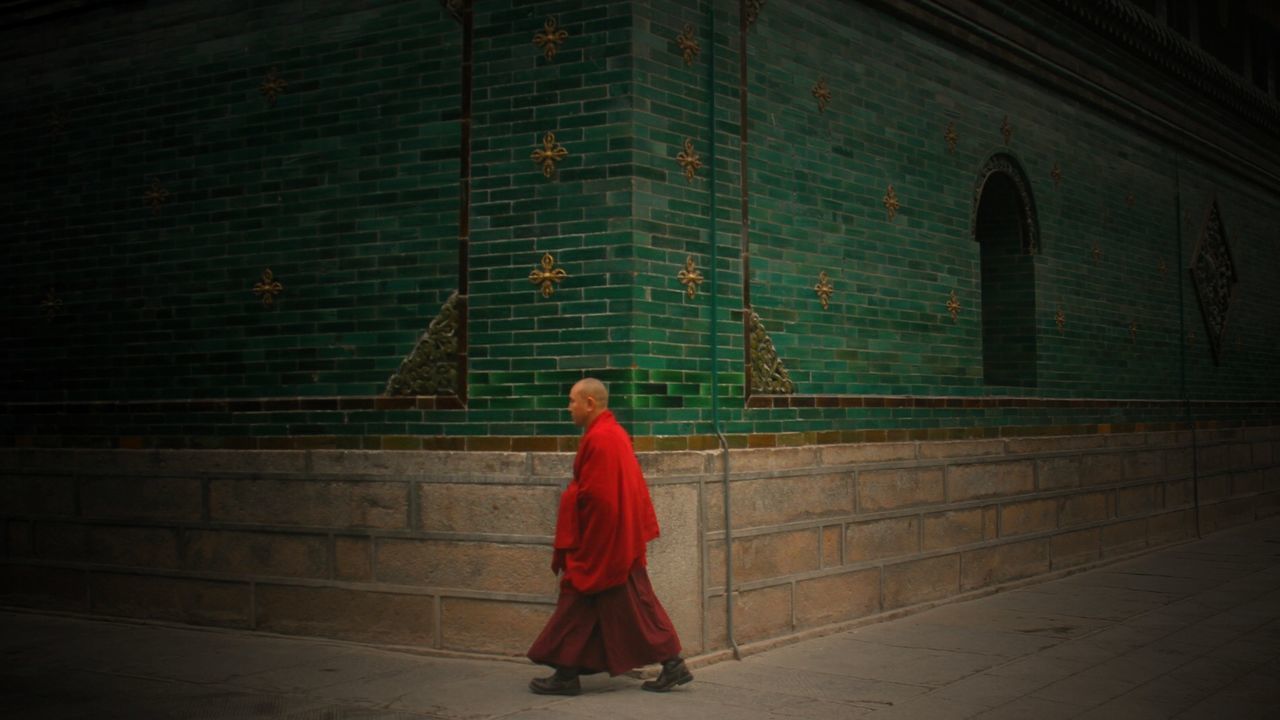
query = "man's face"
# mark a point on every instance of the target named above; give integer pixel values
(580, 406)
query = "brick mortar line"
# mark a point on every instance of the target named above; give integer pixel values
(718, 590)
(817, 448)
(921, 510)
(567, 443)
(294, 530)
(251, 580)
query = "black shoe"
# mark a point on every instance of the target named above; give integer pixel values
(674, 672)
(561, 683)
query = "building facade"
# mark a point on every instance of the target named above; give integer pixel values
(901, 301)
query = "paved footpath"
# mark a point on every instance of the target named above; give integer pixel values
(1191, 631)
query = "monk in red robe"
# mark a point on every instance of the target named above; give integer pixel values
(607, 618)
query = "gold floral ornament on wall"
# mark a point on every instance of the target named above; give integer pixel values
(1060, 319)
(753, 11)
(1006, 130)
(1056, 174)
(550, 38)
(268, 287)
(953, 306)
(272, 87)
(951, 136)
(1133, 331)
(548, 275)
(822, 94)
(891, 202)
(51, 305)
(824, 289)
(551, 153)
(690, 277)
(156, 195)
(689, 160)
(688, 44)
(1096, 253)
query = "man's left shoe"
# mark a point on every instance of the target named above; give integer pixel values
(557, 684)
(674, 672)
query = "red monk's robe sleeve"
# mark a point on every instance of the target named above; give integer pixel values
(615, 516)
(590, 565)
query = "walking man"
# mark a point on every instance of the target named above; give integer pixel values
(607, 618)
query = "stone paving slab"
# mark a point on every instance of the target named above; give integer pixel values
(1191, 631)
(757, 672)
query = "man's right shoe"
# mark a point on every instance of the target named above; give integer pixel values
(556, 684)
(674, 672)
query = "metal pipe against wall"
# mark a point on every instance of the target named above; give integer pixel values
(1182, 345)
(715, 336)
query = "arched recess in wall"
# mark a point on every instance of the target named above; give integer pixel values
(1006, 228)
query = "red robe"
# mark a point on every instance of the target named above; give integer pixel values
(606, 516)
(607, 617)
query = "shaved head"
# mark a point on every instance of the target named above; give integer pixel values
(588, 398)
(595, 390)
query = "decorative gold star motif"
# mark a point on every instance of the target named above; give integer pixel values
(891, 202)
(1096, 253)
(1133, 331)
(550, 154)
(688, 44)
(51, 305)
(268, 287)
(690, 277)
(1006, 130)
(1056, 174)
(953, 306)
(548, 275)
(272, 87)
(824, 288)
(951, 136)
(156, 195)
(550, 39)
(688, 160)
(1060, 319)
(822, 93)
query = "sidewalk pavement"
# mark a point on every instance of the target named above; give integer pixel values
(1191, 631)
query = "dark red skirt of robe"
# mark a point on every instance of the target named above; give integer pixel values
(616, 630)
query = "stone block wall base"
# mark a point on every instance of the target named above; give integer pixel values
(449, 552)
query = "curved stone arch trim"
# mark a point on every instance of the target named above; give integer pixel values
(1003, 163)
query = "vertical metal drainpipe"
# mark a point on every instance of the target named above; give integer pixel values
(1182, 347)
(715, 329)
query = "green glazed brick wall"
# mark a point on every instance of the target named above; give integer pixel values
(347, 188)
(672, 220)
(894, 93)
(526, 349)
(817, 181)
